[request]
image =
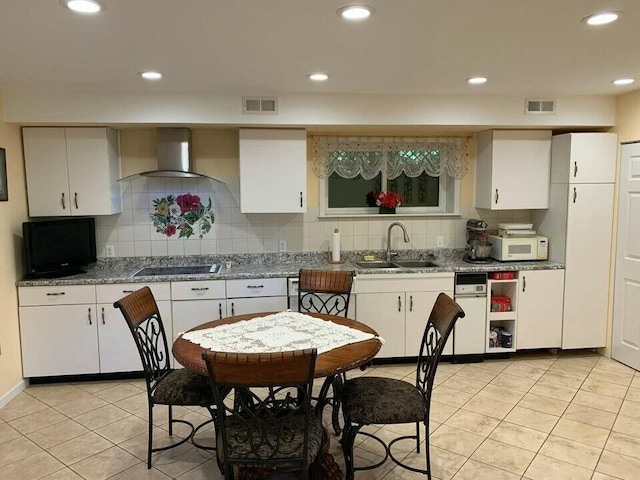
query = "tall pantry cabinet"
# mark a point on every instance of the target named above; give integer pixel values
(579, 224)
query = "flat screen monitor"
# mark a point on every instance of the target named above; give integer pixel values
(56, 248)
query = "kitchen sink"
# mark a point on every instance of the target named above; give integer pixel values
(181, 270)
(415, 264)
(376, 264)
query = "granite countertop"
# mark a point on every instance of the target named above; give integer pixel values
(273, 266)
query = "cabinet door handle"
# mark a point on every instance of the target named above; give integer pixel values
(64, 205)
(497, 196)
(75, 199)
(127, 291)
(399, 303)
(300, 199)
(220, 310)
(199, 289)
(575, 169)
(255, 286)
(89, 317)
(55, 294)
(575, 194)
(233, 313)
(411, 303)
(103, 322)
(524, 283)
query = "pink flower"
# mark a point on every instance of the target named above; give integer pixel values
(170, 230)
(188, 202)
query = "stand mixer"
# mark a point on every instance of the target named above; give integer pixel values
(478, 248)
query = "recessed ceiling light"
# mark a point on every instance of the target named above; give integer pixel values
(356, 12)
(623, 81)
(601, 18)
(151, 75)
(83, 6)
(318, 77)
(476, 80)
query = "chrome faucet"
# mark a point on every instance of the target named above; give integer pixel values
(406, 239)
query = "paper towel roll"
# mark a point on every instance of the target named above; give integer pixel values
(335, 250)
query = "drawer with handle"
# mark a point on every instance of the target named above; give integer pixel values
(113, 292)
(57, 295)
(256, 287)
(198, 290)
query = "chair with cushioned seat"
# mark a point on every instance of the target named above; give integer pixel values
(165, 386)
(270, 423)
(326, 291)
(376, 400)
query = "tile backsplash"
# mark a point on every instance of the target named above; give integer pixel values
(133, 234)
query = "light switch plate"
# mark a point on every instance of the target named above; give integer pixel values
(282, 246)
(440, 241)
(110, 250)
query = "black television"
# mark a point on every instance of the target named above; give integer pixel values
(58, 248)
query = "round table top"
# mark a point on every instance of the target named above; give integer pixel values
(329, 363)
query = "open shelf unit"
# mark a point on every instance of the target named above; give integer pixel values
(508, 321)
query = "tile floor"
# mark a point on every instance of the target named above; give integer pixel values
(538, 417)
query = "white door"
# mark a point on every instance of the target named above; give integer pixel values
(242, 306)
(470, 331)
(540, 309)
(418, 308)
(626, 303)
(118, 352)
(188, 314)
(593, 157)
(384, 312)
(586, 284)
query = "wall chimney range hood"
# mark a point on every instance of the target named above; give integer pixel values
(174, 156)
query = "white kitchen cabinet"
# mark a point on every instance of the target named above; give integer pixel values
(242, 306)
(584, 158)
(507, 321)
(72, 171)
(195, 303)
(273, 171)
(540, 302)
(513, 169)
(256, 295)
(398, 307)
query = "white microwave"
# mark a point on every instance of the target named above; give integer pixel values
(513, 249)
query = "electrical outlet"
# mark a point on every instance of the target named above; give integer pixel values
(110, 250)
(282, 246)
(440, 241)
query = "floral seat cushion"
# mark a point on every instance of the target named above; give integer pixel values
(368, 400)
(183, 387)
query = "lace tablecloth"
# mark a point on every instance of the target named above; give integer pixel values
(277, 332)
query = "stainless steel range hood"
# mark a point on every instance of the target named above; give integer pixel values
(174, 156)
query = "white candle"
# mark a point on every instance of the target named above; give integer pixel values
(335, 251)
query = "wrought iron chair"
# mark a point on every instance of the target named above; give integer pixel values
(376, 400)
(269, 422)
(165, 386)
(327, 291)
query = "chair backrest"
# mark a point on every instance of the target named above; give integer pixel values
(141, 312)
(324, 291)
(272, 400)
(443, 317)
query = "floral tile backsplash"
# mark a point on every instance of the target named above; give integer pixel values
(136, 232)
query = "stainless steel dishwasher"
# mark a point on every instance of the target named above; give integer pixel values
(470, 332)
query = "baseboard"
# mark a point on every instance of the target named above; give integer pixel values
(13, 392)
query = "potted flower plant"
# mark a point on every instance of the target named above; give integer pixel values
(386, 201)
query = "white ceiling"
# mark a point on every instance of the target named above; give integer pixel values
(267, 47)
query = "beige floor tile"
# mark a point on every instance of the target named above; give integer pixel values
(24, 404)
(589, 360)
(119, 392)
(473, 422)
(79, 448)
(520, 369)
(134, 404)
(633, 394)
(624, 444)
(581, 432)
(15, 450)
(64, 474)
(620, 466)
(7, 433)
(61, 395)
(463, 384)
(373, 446)
(601, 402)
(628, 425)
(604, 388)
(513, 382)
(561, 379)
(456, 440)
(78, 407)
(95, 387)
(451, 368)
(122, 430)
(571, 452)
(571, 368)
(518, 436)
(477, 373)
(635, 383)
(104, 464)
(455, 398)
(602, 476)
(501, 394)
(545, 468)
(137, 446)
(507, 457)
(590, 416)
(495, 366)
(554, 391)
(630, 409)
(208, 471)
(37, 421)
(141, 472)
(543, 404)
(396, 370)
(35, 466)
(362, 458)
(542, 422)
(474, 470)
(101, 416)
(538, 362)
(610, 365)
(56, 434)
(488, 406)
(444, 464)
(620, 379)
(440, 412)
(179, 460)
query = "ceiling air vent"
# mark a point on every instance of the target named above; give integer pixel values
(539, 107)
(259, 105)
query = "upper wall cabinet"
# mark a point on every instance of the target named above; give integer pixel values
(513, 169)
(72, 171)
(584, 158)
(273, 171)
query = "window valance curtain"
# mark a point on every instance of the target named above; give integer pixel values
(349, 157)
